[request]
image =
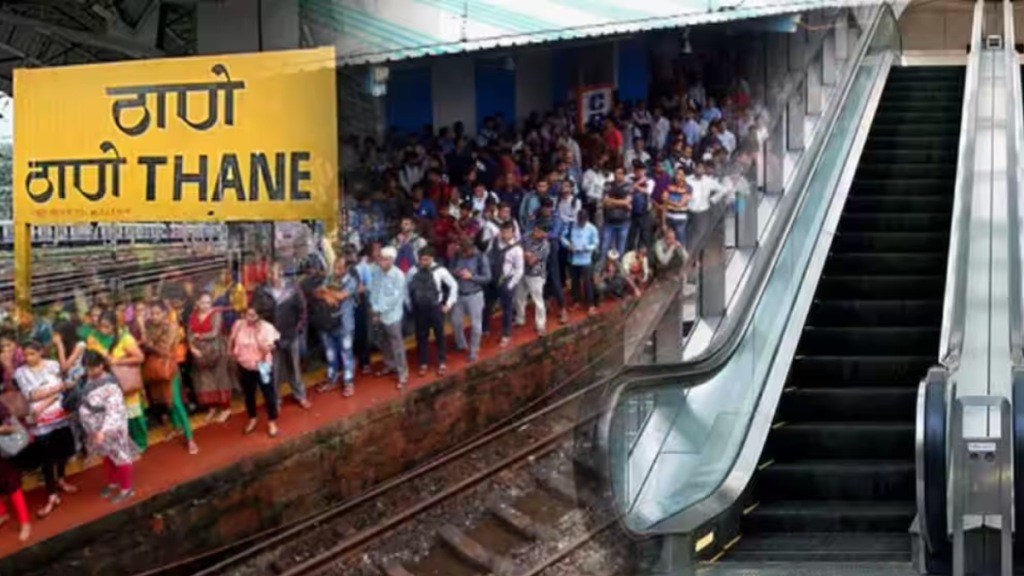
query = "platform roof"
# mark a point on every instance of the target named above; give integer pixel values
(375, 32)
(36, 33)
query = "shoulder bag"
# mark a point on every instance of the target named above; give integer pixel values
(129, 377)
(13, 443)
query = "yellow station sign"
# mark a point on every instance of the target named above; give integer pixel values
(219, 138)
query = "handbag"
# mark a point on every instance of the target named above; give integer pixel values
(158, 368)
(15, 403)
(12, 444)
(129, 377)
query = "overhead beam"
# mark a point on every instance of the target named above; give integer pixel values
(120, 45)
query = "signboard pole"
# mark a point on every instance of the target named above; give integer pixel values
(23, 266)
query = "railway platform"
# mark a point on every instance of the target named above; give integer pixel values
(240, 485)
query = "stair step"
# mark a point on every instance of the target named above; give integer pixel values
(918, 171)
(912, 142)
(881, 287)
(870, 340)
(951, 126)
(902, 187)
(822, 547)
(848, 404)
(875, 313)
(860, 371)
(841, 441)
(840, 516)
(855, 481)
(900, 242)
(896, 222)
(913, 157)
(885, 264)
(865, 202)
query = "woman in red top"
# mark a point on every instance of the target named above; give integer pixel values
(211, 374)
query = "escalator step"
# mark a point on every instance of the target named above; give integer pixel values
(858, 341)
(917, 130)
(866, 371)
(858, 480)
(913, 157)
(822, 547)
(840, 516)
(841, 441)
(881, 287)
(885, 264)
(900, 187)
(916, 171)
(866, 203)
(884, 222)
(877, 313)
(878, 142)
(848, 404)
(891, 242)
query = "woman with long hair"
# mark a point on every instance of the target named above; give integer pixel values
(39, 381)
(162, 338)
(104, 417)
(120, 349)
(211, 372)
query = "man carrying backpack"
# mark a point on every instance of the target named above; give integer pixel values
(432, 293)
(473, 273)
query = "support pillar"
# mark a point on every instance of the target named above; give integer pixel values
(746, 221)
(797, 43)
(815, 93)
(668, 336)
(776, 66)
(711, 282)
(829, 64)
(675, 557)
(795, 121)
(23, 266)
(774, 153)
(841, 31)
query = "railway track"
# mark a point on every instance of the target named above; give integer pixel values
(58, 286)
(358, 536)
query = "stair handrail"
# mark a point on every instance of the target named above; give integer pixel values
(1014, 185)
(954, 306)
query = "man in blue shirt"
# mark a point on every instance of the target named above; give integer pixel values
(581, 241)
(387, 301)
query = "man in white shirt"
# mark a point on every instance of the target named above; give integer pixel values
(431, 294)
(637, 153)
(509, 276)
(706, 190)
(660, 131)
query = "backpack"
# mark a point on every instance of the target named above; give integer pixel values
(423, 289)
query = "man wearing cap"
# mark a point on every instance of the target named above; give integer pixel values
(387, 301)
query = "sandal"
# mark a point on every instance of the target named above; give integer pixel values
(249, 427)
(67, 488)
(423, 371)
(272, 430)
(384, 372)
(193, 448)
(442, 370)
(348, 390)
(52, 504)
(223, 417)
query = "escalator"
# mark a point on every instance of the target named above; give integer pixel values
(840, 456)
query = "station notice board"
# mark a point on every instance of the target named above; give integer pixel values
(243, 137)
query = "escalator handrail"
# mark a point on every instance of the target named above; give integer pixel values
(695, 373)
(727, 338)
(931, 459)
(954, 308)
(1014, 184)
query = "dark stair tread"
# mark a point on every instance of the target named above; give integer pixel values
(862, 371)
(848, 403)
(847, 507)
(821, 547)
(840, 466)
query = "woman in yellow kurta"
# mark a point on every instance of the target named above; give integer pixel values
(120, 348)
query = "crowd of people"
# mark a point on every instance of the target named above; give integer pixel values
(457, 228)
